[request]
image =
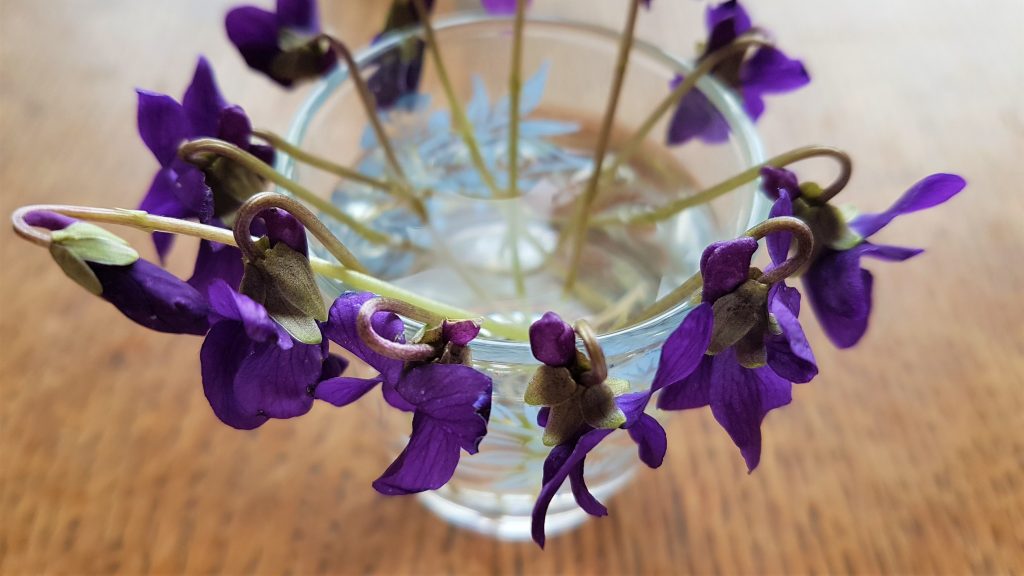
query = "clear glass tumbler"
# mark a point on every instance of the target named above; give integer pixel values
(474, 245)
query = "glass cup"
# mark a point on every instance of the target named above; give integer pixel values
(475, 246)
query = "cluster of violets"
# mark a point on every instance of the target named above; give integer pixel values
(265, 355)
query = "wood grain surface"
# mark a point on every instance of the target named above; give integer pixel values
(905, 456)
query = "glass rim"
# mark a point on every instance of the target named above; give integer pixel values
(746, 141)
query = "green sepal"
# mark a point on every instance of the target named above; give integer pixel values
(737, 313)
(283, 282)
(76, 269)
(618, 386)
(549, 386)
(231, 184)
(301, 57)
(564, 421)
(599, 408)
(91, 243)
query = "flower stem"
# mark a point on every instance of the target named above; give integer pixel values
(598, 372)
(708, 194)
(579, 225)
(669, 102)
(461, 121)
(194, 150)
(514, 89)
(306, 157)
(396, 350)
(141, 220)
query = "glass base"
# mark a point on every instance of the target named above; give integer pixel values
(509, 517)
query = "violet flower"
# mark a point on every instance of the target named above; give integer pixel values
(399, 69)
(757, 348)
(501, 6)
(450, 400)
(553, 343)
(767, 71)
(284, 44)
(144, 292)
(840, 291)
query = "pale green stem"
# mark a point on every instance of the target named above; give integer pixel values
(514, 89)
(141, 220)
(750, 174)
(282, 145)
(579, 226)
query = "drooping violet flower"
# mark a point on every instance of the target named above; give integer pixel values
(501, 6)
(450, 400)
(399, 69)
(553, 343)
(104, 264)
(767, 71)
(283, 44)
(757, 348)
(840, 291)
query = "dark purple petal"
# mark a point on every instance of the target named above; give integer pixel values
(778, 243)
(162, 125)
(889, 253)
(342, 391)
(225, 347)
(228, 304)
(725, 265)
(299, 14)
(651, 440)
(427, 462)
(931, 191)
(789, 354)
(770, 71)
(153, 297)
(582, 494)
(460, 333)
(456, 396)
(690, 392)
(216, 262)
(255, 32)
(729, 13)
(586, 443)
(840, 294)
(553, 341)
(283, 227)
(193, 193)
(263, 152)
(500, 6)
(341, 329)
(203, 102)
(775, 180)
(232, 125)
(753, 104)
(398, 75)
(696, 117)
(278, 382)
(542, 416)
(333, 365)
(684, 348)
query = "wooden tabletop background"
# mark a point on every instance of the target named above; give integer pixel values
(905, 456)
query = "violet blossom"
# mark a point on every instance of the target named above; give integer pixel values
(399, 69)
(553, 343)
(839, 290)
(450, 401)
(757, 348)
(284, 44)
(103, 263)
(767, 71)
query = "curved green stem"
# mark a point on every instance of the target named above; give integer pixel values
(578, 227)
(750, 174)
(283, 145)
(141, 220)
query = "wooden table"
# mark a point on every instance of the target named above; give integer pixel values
(905, 456)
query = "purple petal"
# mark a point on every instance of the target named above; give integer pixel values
(263, 152)
(582, 494)
(776, 180)
(840, 294)
(283, 227)
(162, 125)
(684, 348)
(500, 6)
(228, 304)
(277, 382)
(753, 104)
(300, 14)
(216, 263)
(194, 195)
(232, 125)
(343, 391)
(341, 329)
(542, 416)
(426, 463)
(333, 365)
(397, 75)
(778, 243)
(889, 253)
(651, 440)
(725, 265)
(553, 341)
(225, 347)
(255, 32)
(586, 443)
(153, 297)
(696, 117)
(460, 333)
(727, 13)
(690, 392)
(931, 191)
(49, 220)
(456, 396)
(203, 102)
(789, 354)
(770, 71)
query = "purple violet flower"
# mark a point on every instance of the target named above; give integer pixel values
(553, 343)
(450, 401)
(283, 44)
(144, 292)
(767, 71)
(501, 6)
(399, 69)
(757, 348)
(839, 290)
